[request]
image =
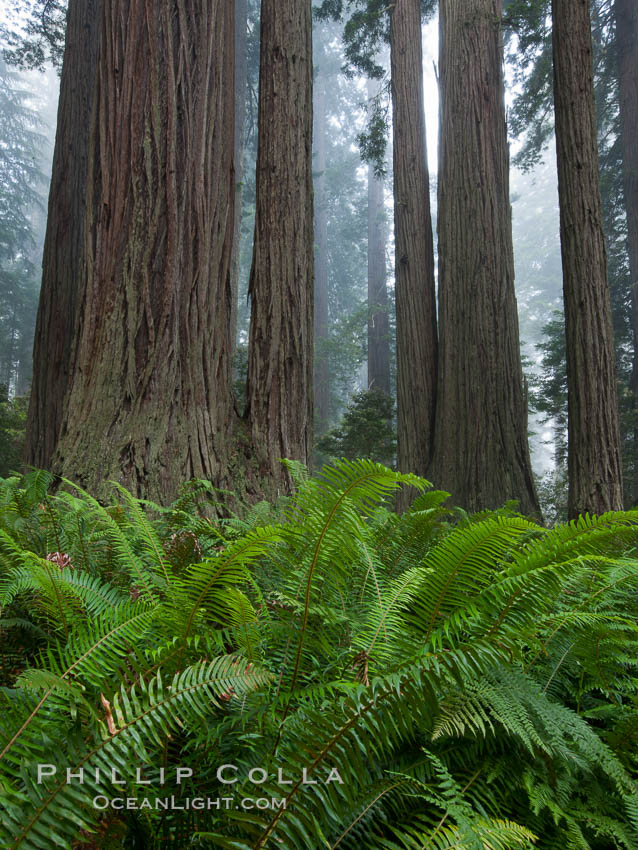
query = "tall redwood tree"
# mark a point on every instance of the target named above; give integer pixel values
(150, 401)
(414, 253)
(481, 453)
(626, 22)
(63, 261)
(595, 477)
(378, 319)
(280, 359)
(241, 78)
(322, 377)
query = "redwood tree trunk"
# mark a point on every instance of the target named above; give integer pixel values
(378, 323)
(414, 275)
(626, 14)
(595, 478)
(150, 400)
(63, 259)
(280, 361)
(481, 453)
(241, 75)
(322, 364)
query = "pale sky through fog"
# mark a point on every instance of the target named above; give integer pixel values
(431, 90)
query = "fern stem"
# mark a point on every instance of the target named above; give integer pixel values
(56, 590)
(557, 667)
(171, 697)
(67, 673)
(450, 578)
(372, 570)
(311, 571)
(440, 824)
(367, 809)
(56, 534)
(263, 838)
(386, 615)
(83, 545)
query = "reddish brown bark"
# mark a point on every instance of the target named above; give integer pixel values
(150, 402)
(280, 363)
(626, 13)
(378, 320)
(480, 448)
(241, 73)
(595, 477)
(63, 259)
(414, 270)
(626, 17)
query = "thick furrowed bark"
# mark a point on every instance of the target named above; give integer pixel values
(626, 15)
(280, 362)
(150, 402)
(378, 320)
(63, 261)
(414, 270)
(595, 477)
(321, 363)
(481, 453)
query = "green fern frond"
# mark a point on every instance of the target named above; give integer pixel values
(90, 656)
(463, 564)
(142, 719)
(205, 584)
(148, 577)
(145, 534)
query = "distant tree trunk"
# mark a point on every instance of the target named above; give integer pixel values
(595, 477)
(481, 453)
(414, 275)
(378, 322)
(241, 75)
(150, 402)
(23, 377)
(280, 360)
(322, 364)
(626, 14)
(64, 248)
(24, 370)
(11, 358)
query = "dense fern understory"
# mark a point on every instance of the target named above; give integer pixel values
(445, 681)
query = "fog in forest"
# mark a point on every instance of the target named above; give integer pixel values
(319, 424)
(341, 115)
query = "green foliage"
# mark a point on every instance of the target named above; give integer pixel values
(367, 29)
(13, 417)
(366, 429)
(549, 390)
(21, 179)
(240, 371)
(373, 140)
(343, 195)
(33, 32)
(527, 26)
(365, 34)
(421, 681)
(552, 488)
(19, 171)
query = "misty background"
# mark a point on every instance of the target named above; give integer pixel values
(28, 105)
